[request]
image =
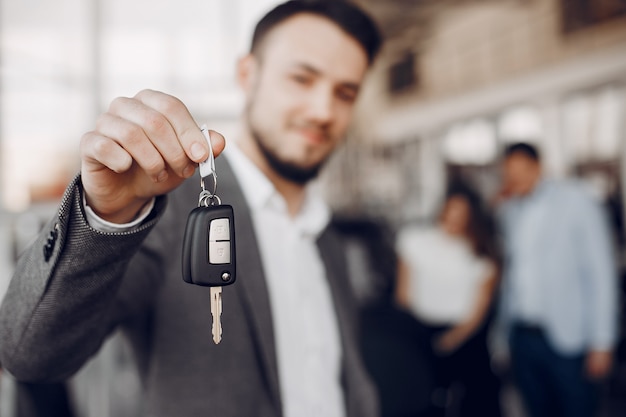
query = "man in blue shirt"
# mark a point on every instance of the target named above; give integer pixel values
(559, 299)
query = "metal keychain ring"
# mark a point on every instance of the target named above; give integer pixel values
(207, 199)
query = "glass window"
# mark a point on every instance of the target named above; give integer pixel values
(62, 62)
(520, 124)
(592, 124)
(471, 143)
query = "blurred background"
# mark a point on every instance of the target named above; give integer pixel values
(457, 80)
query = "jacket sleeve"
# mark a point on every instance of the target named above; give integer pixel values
(600, 271)
(63, 299)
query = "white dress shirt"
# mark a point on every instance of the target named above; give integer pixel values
(305, 324)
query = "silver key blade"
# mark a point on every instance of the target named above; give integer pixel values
(216, 313)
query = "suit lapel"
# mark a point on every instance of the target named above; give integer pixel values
(252, 288)
(251, 284)
(332, 254)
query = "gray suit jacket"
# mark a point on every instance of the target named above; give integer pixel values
(75, 285)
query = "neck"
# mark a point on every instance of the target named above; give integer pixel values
(450, 231)
(292, 192)
(533, 187)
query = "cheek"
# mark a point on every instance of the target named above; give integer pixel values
(269, 112)
(512, 178)
(272, 94)
(457, 218)
(342, 117)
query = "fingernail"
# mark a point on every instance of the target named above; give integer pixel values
(197, 151)
(162, 176)
(188, 171)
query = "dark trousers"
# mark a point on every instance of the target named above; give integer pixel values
(391, 343)
(465, 377)
(43, 400)
(551, 385)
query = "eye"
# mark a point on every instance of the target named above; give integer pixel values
(347, 95)
(301, 79)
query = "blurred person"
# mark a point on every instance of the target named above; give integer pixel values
(112, 256)
(447, 279)
(43, 400)
(559, 292)
(389, 336)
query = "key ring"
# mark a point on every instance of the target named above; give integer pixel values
(207, 199)
(207, 169)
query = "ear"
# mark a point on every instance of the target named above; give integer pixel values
(247, 69)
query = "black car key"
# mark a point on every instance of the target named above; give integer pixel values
(209, 243)
(209, 246)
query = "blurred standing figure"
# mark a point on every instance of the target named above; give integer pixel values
(447, 279)
(559, 290)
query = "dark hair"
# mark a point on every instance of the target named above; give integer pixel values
(347, 16)
(480, 225)
(523, 148)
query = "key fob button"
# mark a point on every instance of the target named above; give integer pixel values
(219, 230)
(219, 252)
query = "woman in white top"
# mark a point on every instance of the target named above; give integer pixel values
(447, 278)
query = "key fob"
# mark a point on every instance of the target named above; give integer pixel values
(209, 246)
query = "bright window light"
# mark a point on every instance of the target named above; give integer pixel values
(521, 123)
(471, 143)
(62, 62)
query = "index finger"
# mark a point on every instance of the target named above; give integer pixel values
(185, 127)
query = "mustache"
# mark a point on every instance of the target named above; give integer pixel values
(320, 129)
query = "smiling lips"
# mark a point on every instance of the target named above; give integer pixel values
(314, 135)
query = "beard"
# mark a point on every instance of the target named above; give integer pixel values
(290, 171)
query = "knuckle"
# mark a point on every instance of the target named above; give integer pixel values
(144, 92)
(179, 160)
(102, 147)
(170, 104)
(130, 133)
(117, 102)
(185, 131)
(85, 141)
(102, 120)
(153, 165)
(155, 122)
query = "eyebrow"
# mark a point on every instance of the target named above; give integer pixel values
(311, 69)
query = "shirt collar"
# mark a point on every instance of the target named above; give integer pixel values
(256, 187)
(539, 191)
(260, 194)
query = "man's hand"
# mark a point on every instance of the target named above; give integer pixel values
(142, 147)
(598, 363)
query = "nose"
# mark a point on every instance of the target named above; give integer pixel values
(320, 106)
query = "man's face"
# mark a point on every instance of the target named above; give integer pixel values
(521, 174)
(300, 92)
